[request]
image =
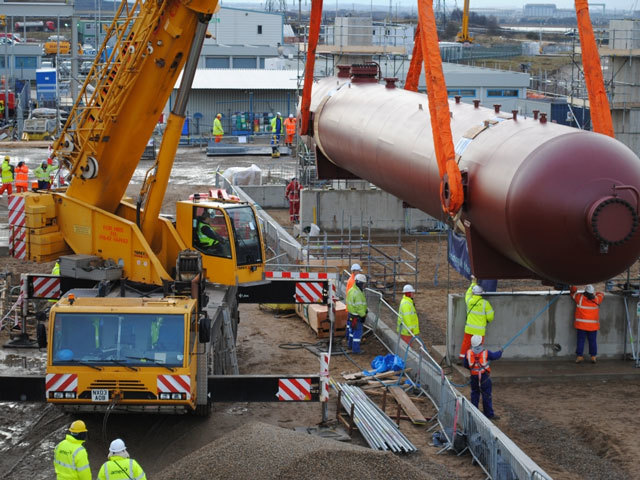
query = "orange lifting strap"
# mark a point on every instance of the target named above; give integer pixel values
(314, 33)
(598, 101)
(413, 75)
(451, 194)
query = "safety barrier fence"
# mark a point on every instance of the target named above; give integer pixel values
(463, 425)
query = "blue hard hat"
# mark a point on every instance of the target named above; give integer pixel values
(65, 355)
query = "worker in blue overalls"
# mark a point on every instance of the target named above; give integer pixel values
(357, 308)
(477, 360)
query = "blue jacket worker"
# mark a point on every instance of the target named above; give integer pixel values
(477, 360)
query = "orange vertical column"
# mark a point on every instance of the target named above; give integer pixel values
(314, 34)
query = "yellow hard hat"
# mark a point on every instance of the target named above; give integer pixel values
(6, 157)
(78, 427)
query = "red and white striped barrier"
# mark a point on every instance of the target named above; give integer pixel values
(174, 384)
(17, 215)
(299, 275)
(18, 242)
(45, 286)
(61, 382)
(294, 389)
(324, 377)
(309, 292)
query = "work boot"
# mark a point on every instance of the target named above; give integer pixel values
(593, 359)
(495, 417)
(579, 359)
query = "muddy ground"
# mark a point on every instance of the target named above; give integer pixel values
(573, 430)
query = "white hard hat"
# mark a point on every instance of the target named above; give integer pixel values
(477, 290)
(278, 113)
(590, 289)
(117, 446)
(291, 115)
(408, 289)
(476, 340)
(356, 267)
(361, 278)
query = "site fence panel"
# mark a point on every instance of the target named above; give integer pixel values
(448, 412)
(480, 438)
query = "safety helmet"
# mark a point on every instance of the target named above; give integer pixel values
(477, 290)
(78, 426)
(590, 289)
(291, 115)
(408, 289)
(476, 340)
(361, 278)
(218, 116)
(6, 157)
(356, 267)
(117, 446)
(278, 114)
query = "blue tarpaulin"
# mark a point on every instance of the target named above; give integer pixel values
(458, 256)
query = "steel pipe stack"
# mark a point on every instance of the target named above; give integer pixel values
(542, 200)
(375, 426)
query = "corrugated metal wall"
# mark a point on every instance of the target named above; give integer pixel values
(227, 102)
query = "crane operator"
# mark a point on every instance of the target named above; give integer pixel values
(207, 239)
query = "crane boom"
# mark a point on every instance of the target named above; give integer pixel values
(133, 81)
(463, 36)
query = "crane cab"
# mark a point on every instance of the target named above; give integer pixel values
(227, 234)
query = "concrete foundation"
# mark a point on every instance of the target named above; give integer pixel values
(337, 209)
(552, 335)
(267, 196)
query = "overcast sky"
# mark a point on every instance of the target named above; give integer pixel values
(611, 4)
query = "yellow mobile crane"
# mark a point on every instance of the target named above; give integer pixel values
(150, 344)
(463, 35)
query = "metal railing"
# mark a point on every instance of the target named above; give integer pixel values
(463, 425)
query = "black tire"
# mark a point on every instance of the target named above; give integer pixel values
(41, 335)
(203, 410)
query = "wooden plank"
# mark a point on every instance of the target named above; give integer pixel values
(359, 375)
(408, 406)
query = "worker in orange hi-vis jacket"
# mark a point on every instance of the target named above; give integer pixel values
(587, 320)
(290, 129)
(292, 193)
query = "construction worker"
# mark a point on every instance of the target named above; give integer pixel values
(479, 314)
(120, 466)
(277, 129)
(587, 320)
(292, 193)
(70, 458)
(355, 270)
(408, 324)
(22, 177)
(290, 128)
(51, 170)
(357, 308)
(477, 360)
(218, 131)
(1, 109)
(208, 240)
(7, 176)
(43, 175)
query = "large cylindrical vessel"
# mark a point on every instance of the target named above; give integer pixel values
(542, 200)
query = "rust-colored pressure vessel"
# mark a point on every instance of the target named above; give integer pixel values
(542, 200)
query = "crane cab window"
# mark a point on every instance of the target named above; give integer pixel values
(210, 232)
(246, 235)
(118, 339)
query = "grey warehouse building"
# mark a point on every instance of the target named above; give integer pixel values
(254, 93)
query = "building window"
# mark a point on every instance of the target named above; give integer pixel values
(245, 62)
(259, 29)
(262, 62)
(216, 62)
(503, 93)
(463, 92)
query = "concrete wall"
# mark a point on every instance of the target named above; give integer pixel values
(335, 208)
(267, 196)
(554, 327)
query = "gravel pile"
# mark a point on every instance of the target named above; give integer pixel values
(259, 451)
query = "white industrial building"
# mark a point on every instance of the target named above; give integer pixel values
(242, 38)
